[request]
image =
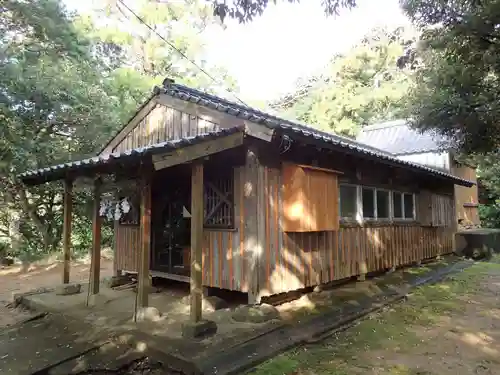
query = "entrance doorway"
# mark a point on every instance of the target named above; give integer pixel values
(171, 223)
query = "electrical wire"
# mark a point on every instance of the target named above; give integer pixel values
(141, 20)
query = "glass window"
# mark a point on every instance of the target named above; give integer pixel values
(348, 201)
(397, 205)
(382, 204)
(408, 206)
(368, 198)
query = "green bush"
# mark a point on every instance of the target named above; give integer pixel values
(4, 249)
(490, 214)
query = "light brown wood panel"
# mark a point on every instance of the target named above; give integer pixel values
(310, 199)
(162, 124)
(466, 198)
(378, 248)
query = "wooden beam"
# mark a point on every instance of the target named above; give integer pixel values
(145, 246)
(106, 187)
(67, 215)
(259, 131)
(196, 240)
(190, 153)
(95, 259)
(252, 229)
(313, 168)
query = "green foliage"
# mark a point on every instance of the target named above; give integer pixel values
(247, 10)
(69, 81)
(362, 86)
(457, 83)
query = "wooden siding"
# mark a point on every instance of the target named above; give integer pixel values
(127, 246)
(223, 250)
(164, 124)
(310, 199)
(465, 196)
(295, 260)
(436, 210)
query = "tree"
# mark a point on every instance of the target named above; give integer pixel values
(65, 90)
(163, 41)
(457, 85)
(360, 87)
(54, 106)
(247, 10)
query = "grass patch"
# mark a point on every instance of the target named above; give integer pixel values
(390, 329)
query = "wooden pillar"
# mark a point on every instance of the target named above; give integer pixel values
(254, 225)
(145, 247)
(196, 240)
(67, 214)
(95, 260)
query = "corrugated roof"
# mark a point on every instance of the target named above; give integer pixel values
(58, 171)
(292, 128)
(398, 138)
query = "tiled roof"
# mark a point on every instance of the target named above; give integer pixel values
(398, 138)
(292, 128)
(58, 171)
(295, 131)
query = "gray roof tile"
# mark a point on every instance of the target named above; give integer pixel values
(292, 128)
(398, 138)
(58, 171)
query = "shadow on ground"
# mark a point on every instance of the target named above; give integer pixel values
(447, 328)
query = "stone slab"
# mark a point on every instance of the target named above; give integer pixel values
(109, 356)
(68, 289)
(201, 329)
(117, 280)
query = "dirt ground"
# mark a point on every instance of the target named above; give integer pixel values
(44, 274)
(448, 328)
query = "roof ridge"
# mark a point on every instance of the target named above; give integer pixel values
(273, 119)
(384, 125)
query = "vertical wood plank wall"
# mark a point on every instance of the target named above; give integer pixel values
(464, 195)
(223, 250)
(164, 124)
(295, 260)
(127, 245)
(291, 261)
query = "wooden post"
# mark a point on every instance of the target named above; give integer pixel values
(95, 260)
(145, 248)
(68, 206)
(254, 225)
(196, 240)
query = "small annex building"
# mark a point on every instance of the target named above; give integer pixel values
(433, 150)
(225, 196)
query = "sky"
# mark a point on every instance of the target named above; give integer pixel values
(288, 41)
(292, 40)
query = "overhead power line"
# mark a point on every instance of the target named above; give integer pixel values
(141, 20)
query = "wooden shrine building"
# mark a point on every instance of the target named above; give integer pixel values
(225, 196)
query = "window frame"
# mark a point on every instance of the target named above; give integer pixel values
(357, 215)
(389, 208)
(401, 195)
(374, 194)
(359, 205)
(211, 178)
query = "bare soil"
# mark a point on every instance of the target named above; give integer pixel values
(451, 328)
(46, 274)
